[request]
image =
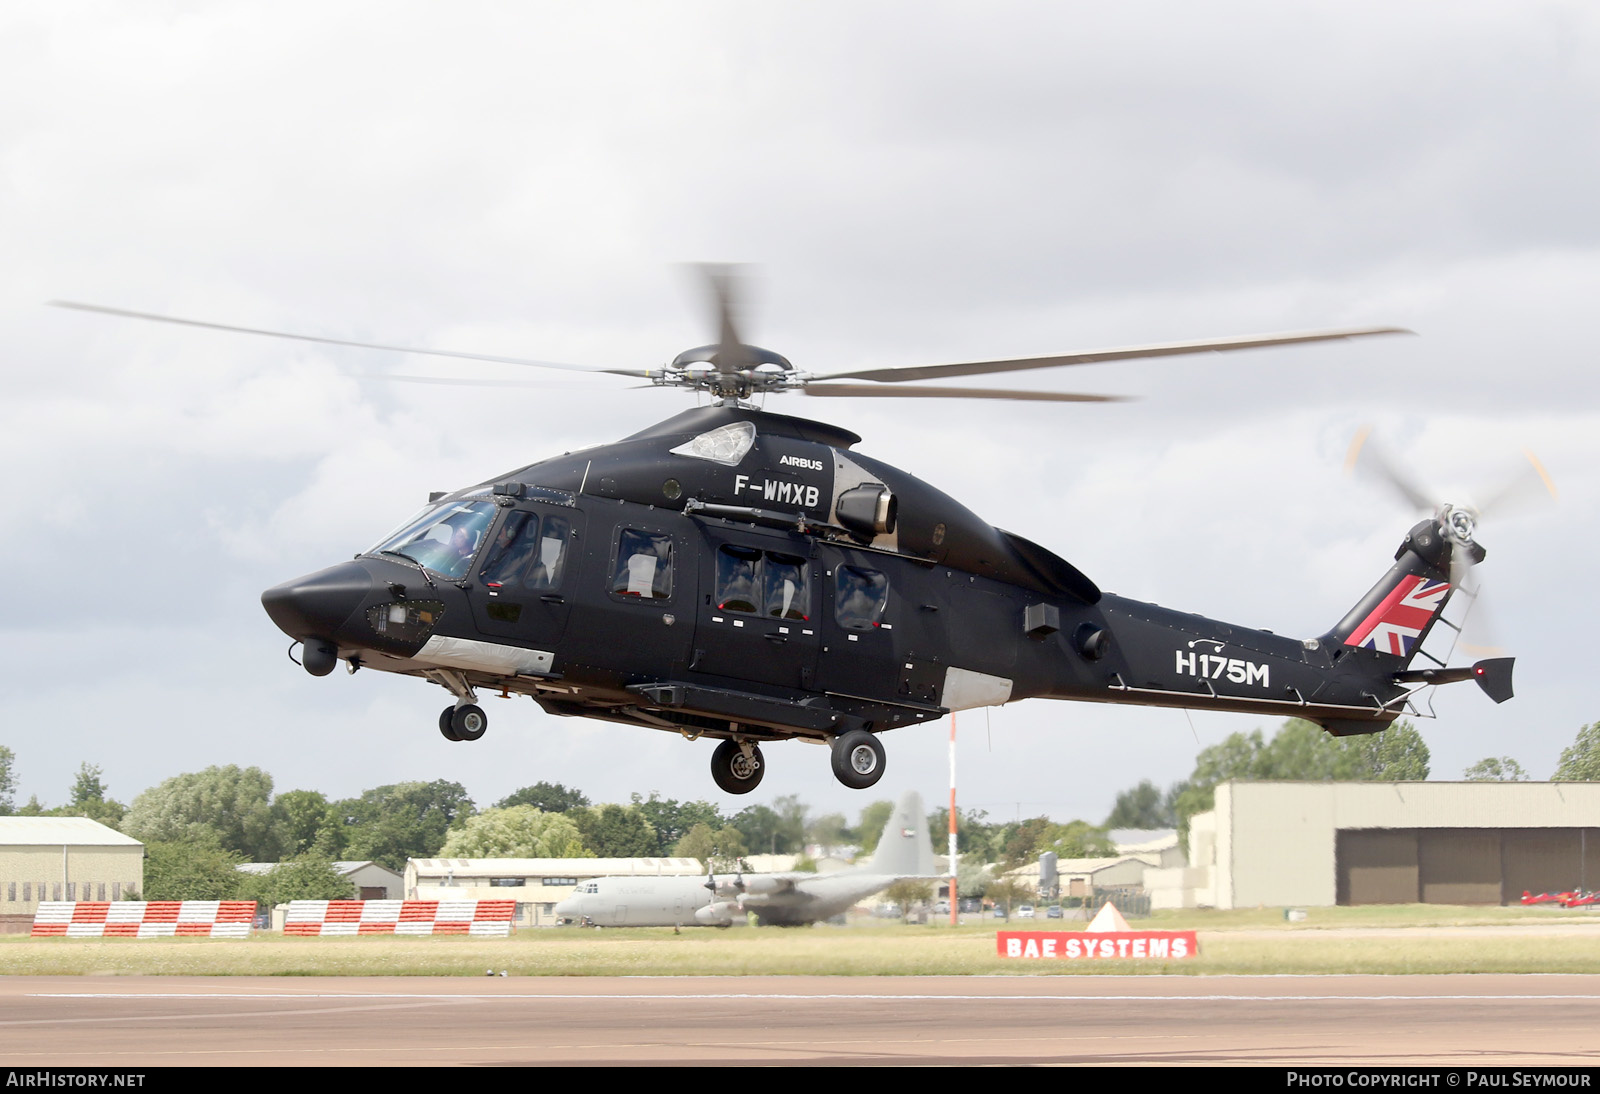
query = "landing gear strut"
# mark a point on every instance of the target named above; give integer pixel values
(465, 721)
(858, 759)
(737, 766)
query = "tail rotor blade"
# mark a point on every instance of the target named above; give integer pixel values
(1522, 488)
(1377, 463)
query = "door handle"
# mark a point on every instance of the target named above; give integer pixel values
(553, 598)
(774, 636)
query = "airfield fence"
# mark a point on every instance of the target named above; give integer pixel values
(1132, 903)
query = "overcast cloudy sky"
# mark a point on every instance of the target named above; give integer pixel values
(918, 182)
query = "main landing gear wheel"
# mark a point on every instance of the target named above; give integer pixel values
(469, 722)
(449, 731)
(735, 772)
(858, 759)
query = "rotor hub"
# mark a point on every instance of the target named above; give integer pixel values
(730, 372)
(1459, 523)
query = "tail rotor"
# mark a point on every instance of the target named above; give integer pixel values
(1457, 523)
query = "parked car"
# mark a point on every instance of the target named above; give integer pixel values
(1053, 912)
(1025, 911)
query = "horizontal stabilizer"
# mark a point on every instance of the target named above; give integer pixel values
(1493, 676)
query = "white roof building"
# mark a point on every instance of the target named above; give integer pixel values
(63, 858)
(536, 884)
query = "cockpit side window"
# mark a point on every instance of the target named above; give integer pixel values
(551, 558)
(514, 547)
(644, 565)
(860, 598)
(529, 550)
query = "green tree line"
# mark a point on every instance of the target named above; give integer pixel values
(199, 825)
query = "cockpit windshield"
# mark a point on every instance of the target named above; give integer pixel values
(444, 538)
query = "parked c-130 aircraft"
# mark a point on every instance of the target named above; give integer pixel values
(787, 900)
(750, 577)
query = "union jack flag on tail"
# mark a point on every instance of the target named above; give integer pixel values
(1402, 617)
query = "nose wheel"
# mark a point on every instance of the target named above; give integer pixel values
(858, 759)
(463, 723)
(737, 767)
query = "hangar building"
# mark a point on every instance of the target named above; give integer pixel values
(63, 858)
(1325, 843)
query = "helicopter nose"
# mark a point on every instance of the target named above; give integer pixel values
(317, 605)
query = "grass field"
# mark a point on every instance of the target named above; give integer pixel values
(1393, 939)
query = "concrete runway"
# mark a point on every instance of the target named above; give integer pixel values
(1427, 1021)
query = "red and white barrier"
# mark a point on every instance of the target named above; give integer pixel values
(484, 918)
(144, 918)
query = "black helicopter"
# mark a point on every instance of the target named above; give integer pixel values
(748, 576)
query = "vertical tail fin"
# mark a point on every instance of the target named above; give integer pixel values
(1394, 618)
(903, 849)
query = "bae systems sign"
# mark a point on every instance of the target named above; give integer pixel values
(1078, 945)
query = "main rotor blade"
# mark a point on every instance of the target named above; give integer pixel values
(723, 281)
(1159, 349)
(124, 313)
(874, 391)
(448, 381)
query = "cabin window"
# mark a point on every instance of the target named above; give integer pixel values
(644, 565)
(737, 583)
(860, 598)
(783, 585)
(754, 582)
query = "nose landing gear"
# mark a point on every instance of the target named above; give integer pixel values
(465, 721)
